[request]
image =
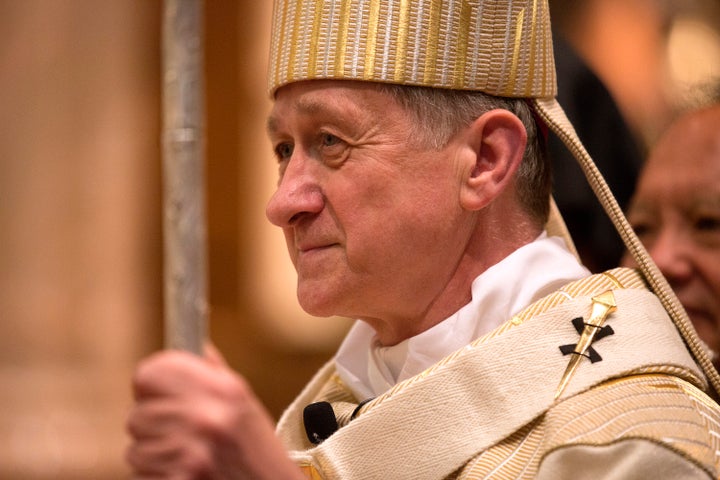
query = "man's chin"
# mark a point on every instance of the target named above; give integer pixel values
(318, 307)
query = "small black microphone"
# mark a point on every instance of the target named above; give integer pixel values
(320, 421)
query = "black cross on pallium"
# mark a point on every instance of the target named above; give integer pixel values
(592, 354)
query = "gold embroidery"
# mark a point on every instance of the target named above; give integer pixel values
(432, 42)
(531, 68)
(314, 39)
(402, 38)
(614, 279)
(295, 37)
(516, 52)
(310, 472)
(599, 417)
(602, 306)
(462, 45)
(342, 37)
(371, 40)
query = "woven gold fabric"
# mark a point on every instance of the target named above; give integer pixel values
(499, 47)
(642, 407)
(500, 417)
(657, 408)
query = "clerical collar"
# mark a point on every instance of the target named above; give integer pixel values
(528, 274)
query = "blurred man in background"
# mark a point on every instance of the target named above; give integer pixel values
(676, 213)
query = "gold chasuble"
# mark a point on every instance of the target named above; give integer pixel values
(471, 416)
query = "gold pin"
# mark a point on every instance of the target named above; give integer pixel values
(602, 306)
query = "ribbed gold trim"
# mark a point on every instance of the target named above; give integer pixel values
(370, 48)
(461, 47)
(533, 53)
(402, 39)
(613, 279)
(516, 53)
(279, 23)
(431, 45)
(343, 27)
(547, 81)
(294, 42)
(317, 21)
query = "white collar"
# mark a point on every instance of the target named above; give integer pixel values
(526, 275)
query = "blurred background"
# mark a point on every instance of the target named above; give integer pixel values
(80, 203)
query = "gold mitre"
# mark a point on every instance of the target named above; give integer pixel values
(500, 47)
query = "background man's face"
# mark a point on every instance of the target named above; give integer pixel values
(676, 213)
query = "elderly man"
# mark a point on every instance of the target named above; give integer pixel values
(676, 213)
(414, 196)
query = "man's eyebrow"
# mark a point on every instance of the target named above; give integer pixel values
(707, 199)
(312, 107)
(271, 125)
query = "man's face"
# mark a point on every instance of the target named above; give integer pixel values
(676, 213)
(372, 220)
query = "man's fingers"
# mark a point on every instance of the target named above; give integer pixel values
(169, 372)
(169, 458)
(152, 457)
(153, 419)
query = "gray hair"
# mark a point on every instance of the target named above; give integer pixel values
(441, 113)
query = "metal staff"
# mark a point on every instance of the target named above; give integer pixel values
(185, 258)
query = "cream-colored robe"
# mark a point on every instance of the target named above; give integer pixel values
(489, 410)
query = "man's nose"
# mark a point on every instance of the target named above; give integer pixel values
(298, 194)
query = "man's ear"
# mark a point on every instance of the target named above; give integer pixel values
(495, 146)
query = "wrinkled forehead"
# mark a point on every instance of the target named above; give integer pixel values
(338, 101)
(502, 48)
(692, 141)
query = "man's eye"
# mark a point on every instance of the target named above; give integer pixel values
(706, 229)
(707, 224)
(284, 151)
(328, 140)
(642, 227)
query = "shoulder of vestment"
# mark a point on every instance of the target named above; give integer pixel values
(503, 388)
